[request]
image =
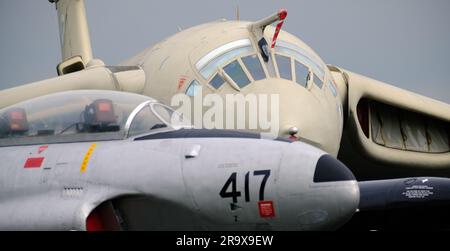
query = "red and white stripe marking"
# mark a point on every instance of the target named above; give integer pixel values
(281, 16)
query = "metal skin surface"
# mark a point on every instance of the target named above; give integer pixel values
(158, 187)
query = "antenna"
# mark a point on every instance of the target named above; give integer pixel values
(238, 16)
(257, 31)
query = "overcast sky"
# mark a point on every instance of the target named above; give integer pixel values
(403, 42)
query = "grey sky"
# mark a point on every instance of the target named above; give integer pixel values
(403, 42)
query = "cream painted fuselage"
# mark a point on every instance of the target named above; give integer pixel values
(172, 65)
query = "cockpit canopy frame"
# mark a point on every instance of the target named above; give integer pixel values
(83, 115)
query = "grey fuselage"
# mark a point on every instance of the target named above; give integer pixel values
(162, 181)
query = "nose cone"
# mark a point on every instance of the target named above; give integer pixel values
(329, 169)
(334, 182)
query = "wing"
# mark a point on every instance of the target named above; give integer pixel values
(419, 203)
(390, 132)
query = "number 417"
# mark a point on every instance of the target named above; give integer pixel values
(235, 194)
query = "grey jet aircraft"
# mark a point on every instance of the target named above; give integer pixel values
(107, 160)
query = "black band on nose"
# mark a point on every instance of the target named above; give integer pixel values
(329, 169)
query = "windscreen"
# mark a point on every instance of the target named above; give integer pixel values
(68, 117)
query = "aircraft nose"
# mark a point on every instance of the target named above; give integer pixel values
(319, 192)
(335, 183)
(308, 114)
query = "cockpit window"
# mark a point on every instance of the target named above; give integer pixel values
(216, 81)
(284, 67)
(302, 56)
(155, 116)
(163, 112)
(220, 50)
(208, 70)
(71, 116)
(175, 119)
(193, 88)
(254, 66)
(301, 74)
(235, 71)
(318, 81)
(145, 121)
(332, 88)
(241, 65)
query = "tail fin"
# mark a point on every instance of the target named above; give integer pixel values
(74, 35)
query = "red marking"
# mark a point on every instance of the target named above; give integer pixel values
(282, 14)
(94, 222)
(42, 148)
(104, 107)
(34, 162)
(275, 36)
(266, 209)
(181, 82)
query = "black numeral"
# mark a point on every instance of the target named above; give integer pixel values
(266, 174)
(247, 192)
(233, 194)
